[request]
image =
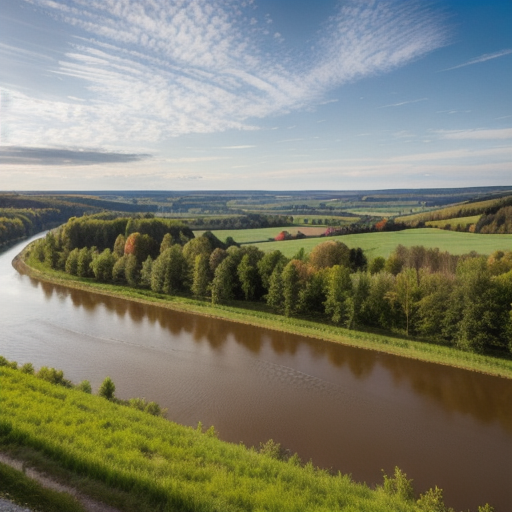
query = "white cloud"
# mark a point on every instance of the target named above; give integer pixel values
(482, 58)
(502, 133)
(158, 70)
(403, 103)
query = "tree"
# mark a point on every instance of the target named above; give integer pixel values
(51, 254)
(119, 246)
(216, 258)
(145, 272)
(377, 265)
(339, 304)
(484, 306)
(267, 264)
(357, 260)
(291, 287)
(248, 275)
(169, 271)
(405, 294)
(435, 292)
(275, 297)
(71, 265)
(201, 276)
(312, 291)
(118, 270)
(380, 312)
(102, 266)
(107, 389)
(361, 285)
(84, 262)
(223, 283)
(330, 253)
(167, 241)
(196, 246)
(132, 270)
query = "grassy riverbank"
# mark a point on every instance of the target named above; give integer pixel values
(258, 315)
(138, 462)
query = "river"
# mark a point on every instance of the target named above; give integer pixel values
(349, 409)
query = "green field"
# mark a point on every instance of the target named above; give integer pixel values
(463, 221)
(383, 244)
(149, 463)
(243, 236)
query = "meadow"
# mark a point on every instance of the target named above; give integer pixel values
(145, 463)
(462, 221)
(380, 243)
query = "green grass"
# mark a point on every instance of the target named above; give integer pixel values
(450, 211)
(258, 314)
(383, 244)
(243, 236)
(463, 221)
(165, 466)
(18, 488)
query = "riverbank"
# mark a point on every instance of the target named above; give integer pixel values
(256, 315)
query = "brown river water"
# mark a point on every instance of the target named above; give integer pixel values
(353, 410)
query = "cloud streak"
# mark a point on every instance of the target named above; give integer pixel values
(482, 58)
(15, 155)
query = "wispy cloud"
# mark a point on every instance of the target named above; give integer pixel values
(401, 103)
(237, 147)
(482, 58)
(497, 134)
(157, 70)
(15, 155)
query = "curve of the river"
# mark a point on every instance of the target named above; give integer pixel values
(349, 409)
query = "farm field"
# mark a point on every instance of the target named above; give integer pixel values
(244, 236)
(463, 221)
(383, 244)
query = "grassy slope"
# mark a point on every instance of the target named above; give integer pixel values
(450, 211)
(162, 465)
(258, 315)
(463, 221)
(383, 244)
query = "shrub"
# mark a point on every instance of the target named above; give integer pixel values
(27, 368)
(107, 389)
(85, 386)
(399, 485)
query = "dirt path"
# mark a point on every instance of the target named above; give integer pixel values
(89, 504)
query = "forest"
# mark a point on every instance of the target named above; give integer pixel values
(461, 301)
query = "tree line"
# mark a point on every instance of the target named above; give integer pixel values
(463, 301)
(16, 223)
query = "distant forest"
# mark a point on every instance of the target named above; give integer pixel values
(22, 215)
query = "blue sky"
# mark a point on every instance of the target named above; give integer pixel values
(255, 94)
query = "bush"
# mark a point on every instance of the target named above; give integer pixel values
(107, 389)
(52, 375)
(85, 386)
(399, 485)
(27, 368)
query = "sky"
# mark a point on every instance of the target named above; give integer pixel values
(255, 94)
